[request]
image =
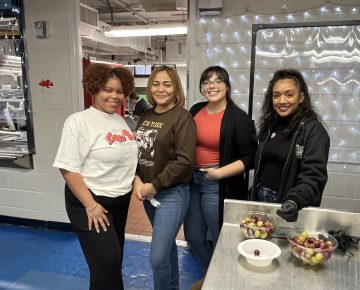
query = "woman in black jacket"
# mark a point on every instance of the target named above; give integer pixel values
(290, 164)
(225, 150)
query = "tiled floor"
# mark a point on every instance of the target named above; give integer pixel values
(42, 259)
(138, 223)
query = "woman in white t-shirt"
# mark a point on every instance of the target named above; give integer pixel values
(97, 157)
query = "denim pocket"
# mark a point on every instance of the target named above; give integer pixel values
(266, 194)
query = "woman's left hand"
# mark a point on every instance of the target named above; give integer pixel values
(147, 191)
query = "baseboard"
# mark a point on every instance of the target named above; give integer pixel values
(59, 226)
(147, 239)
(36, 223)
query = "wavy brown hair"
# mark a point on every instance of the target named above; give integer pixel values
(97, 75)
(268, 117)
(178, 90)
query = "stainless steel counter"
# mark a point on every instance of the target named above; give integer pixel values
(229, 270)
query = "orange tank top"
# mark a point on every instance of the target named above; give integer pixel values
(208, 137)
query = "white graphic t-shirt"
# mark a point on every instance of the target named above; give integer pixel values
(102, 149)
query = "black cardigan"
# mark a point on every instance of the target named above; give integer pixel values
(238, 141)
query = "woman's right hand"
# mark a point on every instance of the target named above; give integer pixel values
(211, 173)
(97, 217)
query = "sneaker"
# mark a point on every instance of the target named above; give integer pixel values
(197, 285)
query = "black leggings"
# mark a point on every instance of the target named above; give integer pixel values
(104, 251)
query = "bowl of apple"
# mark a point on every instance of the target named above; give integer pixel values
(311, 247)
(257, 225)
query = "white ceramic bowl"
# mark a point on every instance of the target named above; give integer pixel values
(268, 252)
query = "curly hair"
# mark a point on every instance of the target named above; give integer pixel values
(178, 90)
(97, 75)
(268, 117)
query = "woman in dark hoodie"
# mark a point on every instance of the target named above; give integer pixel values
(290, 163)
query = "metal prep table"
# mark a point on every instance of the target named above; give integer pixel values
(229, 270)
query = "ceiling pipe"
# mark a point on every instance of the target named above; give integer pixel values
(123, 5)
(111, 9)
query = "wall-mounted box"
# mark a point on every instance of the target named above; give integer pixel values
(210, 7)
(176, 50)
(41, 29)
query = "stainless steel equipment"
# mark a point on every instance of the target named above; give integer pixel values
(230, 271)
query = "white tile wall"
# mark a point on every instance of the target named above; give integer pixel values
(335, 86)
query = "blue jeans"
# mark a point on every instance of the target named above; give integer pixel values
(166, 221)
(266, 194)
(202, 215)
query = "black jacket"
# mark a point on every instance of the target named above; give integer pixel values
(304, 175)
(140, 107)
(238, 141)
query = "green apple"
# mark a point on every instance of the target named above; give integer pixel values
(304, 235)
(260, 223)
(263, 235)
(319, 257)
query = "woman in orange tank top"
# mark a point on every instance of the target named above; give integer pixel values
(225, 150)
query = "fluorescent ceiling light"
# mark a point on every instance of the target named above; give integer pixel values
(102, 61)
(146, 30)
(177, 64)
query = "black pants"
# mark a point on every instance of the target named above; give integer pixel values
(104, 251)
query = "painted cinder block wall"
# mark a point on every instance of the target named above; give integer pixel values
(38, 193)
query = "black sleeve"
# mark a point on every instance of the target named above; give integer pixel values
(312, 177)
(245, 139)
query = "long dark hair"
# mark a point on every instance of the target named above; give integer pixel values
(221, 73)
(269, 117)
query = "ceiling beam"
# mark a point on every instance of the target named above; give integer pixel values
(156, 16)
